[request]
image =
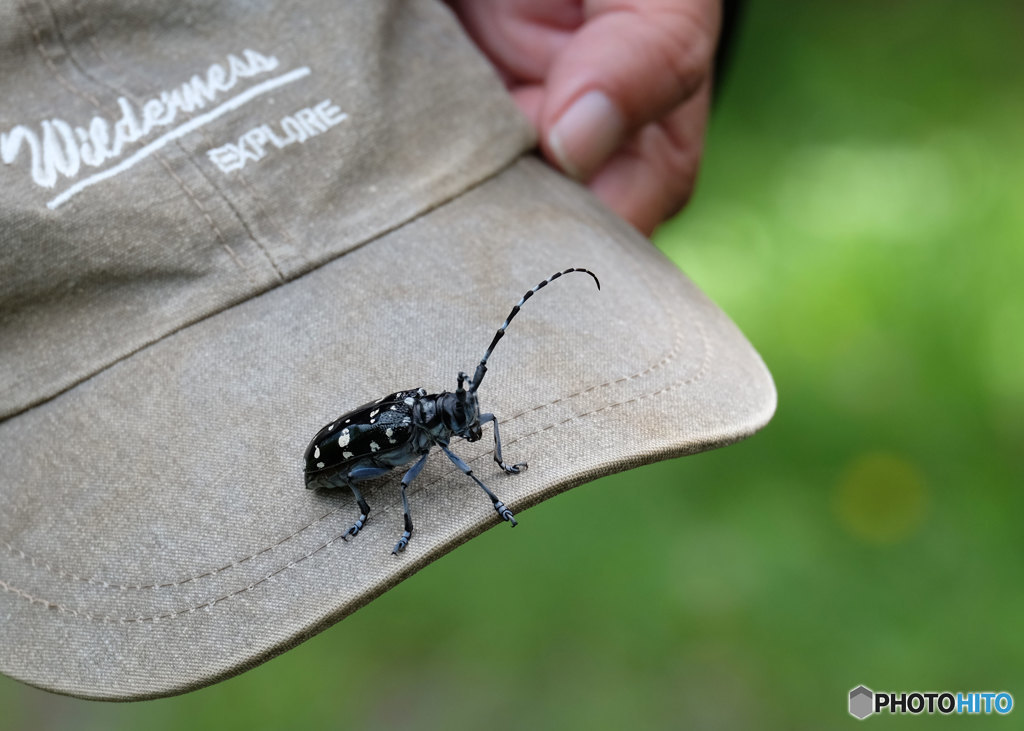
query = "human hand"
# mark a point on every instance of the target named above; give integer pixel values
(618, 90)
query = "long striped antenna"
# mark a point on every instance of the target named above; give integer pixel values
(481, 369)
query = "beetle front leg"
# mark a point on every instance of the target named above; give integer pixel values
(511, 469)
(499, 506)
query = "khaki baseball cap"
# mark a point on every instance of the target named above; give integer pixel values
(223, 228)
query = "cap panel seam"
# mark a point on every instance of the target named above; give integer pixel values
(91, 37)
(91, 31)
(94, 101)
(50, 63)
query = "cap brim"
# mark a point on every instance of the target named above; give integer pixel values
(157, 533)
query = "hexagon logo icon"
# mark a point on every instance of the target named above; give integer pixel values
(861, 702)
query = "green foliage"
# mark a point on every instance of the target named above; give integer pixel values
(860, 217)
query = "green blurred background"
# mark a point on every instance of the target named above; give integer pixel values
(860, 215)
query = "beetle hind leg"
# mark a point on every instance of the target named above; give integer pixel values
(364, 512)
(353, 476)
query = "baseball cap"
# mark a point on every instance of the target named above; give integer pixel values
(224, 226)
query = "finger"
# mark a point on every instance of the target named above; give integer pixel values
(653, 175)
(632, 62)
(530, 99)
(520, 37)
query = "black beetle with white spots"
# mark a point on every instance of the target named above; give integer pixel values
(404, 426)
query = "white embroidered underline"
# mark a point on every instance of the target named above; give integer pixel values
(193, 124)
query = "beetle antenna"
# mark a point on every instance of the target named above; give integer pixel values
(481, 369)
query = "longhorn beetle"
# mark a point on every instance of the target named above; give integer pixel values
(394, 430)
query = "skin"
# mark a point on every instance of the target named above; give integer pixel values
(618, 90)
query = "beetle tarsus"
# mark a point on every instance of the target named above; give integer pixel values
(513, 469)
(505, 513)
(354, 530)
(402, 543)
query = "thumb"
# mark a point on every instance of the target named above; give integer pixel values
(629, 63)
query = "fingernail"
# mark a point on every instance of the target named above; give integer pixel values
(587, 134)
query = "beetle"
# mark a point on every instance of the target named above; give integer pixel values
(392, 431)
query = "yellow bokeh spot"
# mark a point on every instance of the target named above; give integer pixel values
(880, 498)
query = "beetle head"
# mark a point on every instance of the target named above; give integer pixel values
(466, 412)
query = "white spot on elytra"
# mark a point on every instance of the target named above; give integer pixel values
(320, 465)
(343, 439)
(374, 446)
(346, 455)
(374, 412)
(409, 401)
(316, 452)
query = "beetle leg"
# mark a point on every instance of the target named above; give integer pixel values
(365, 511)
(366, 473)
(513, 469)
(409, 477)
(361, 473)
(499, 506)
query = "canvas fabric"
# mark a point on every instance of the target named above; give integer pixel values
(224, 224)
